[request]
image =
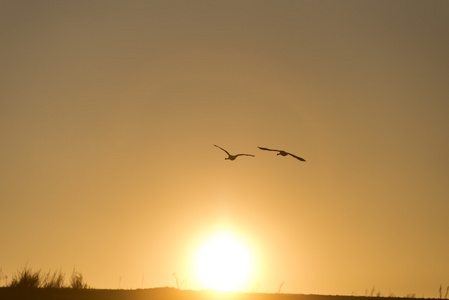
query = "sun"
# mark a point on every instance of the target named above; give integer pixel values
(223, 263)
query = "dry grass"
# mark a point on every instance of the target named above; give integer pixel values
(26, 278)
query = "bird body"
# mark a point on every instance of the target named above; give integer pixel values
(282, 153)
(231, 156)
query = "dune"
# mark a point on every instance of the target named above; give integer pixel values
(159, 294)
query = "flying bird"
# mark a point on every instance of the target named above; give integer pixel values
(232, 157)
(282, 153)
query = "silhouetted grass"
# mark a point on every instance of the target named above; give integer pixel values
(180, 285)
(77, 281)
(441, 292)
(53, 280)
(280, 287)
(3, 278)
(26, 278)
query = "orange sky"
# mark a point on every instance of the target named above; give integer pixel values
(109, 111)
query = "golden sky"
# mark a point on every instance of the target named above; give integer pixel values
(109, 112)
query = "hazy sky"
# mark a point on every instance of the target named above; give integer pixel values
(109, 111)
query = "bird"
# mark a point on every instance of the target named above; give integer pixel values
(233, 157)
(282, 153)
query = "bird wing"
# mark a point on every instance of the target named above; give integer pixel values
(297, 157)
(244, 155)
(223, 150)
(262, 148)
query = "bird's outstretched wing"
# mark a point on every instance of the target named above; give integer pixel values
(297, 157)
(262, 148)
(244, 155)
(222, 149)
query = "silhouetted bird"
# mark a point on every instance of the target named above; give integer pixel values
(232, 157)
(283, 153)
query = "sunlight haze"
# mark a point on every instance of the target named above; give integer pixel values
(110, 110)
(223, 263)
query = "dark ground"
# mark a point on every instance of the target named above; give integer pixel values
(159, 294)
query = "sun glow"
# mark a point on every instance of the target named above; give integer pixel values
(223, 263)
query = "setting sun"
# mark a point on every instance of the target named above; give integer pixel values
(223, 263)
